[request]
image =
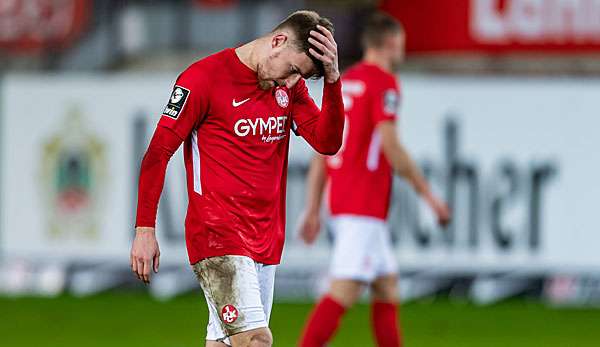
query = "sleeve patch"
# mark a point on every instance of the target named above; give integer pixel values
(391, 101)
(176, 102)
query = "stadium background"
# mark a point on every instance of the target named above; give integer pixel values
(500, 102)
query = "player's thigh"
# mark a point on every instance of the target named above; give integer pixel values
(266, 281)
(260, 337)
(232, 290)
(385, 289)
(215, 334)
(354, 249)
(346, 291)
(385, 285)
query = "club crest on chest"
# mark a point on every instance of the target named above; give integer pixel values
(282, 98)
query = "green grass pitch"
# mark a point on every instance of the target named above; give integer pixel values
(132, 319)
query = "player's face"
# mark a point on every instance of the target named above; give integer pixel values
(284, 66)
(394, 44)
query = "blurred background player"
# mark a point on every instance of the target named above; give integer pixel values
(234, 110)
(360, 182)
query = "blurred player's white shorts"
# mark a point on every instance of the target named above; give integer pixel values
(239, 294)
(362, 248)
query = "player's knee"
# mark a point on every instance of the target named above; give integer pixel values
(261, 339)
(345, 299)
(346, 292)
(385, 295)
(385, 290)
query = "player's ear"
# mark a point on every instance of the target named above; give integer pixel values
(278, 40)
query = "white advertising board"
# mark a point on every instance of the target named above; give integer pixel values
(517, 158)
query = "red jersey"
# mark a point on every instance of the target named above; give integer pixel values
(236, 139)
(360, 177)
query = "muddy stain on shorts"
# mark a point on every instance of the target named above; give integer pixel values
(218, 277)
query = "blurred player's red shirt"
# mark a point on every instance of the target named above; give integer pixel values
(236, 139)
(360, 177)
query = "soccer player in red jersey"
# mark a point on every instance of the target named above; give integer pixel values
(360, 182)
(233, 111)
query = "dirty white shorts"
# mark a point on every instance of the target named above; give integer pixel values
(362, 248)
(239, 294)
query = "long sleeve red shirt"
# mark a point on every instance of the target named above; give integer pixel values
(236, 141)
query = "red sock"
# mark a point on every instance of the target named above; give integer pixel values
(322, 323)
(384, 317)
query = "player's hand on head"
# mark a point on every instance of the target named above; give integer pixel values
(309, 227)
(145, 254)
(323, 40)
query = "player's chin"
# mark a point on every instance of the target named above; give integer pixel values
(266, 84)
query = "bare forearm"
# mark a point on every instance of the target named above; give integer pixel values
(315, 184)
(400, 160)
(404, 166)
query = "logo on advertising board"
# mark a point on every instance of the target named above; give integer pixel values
(73, 174)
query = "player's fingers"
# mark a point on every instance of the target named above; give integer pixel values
(311, 238)
(320, 46)
(140, 269)
(133, 265)
(310, 234)
(445, 213)
(146, 272)
(326, 52)
(303, 238)
(444, 219)
(318, 55)
(306, 235)
(317, 44)
(156, 262)
(323, 40)
(327, 33)
(302, 232)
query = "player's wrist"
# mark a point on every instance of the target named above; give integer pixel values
(145, 230)
(332, 79)
(426, 194)
(313, 210)
(313, 213)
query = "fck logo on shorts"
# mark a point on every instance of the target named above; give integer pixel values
(229, 314)
(176, 102)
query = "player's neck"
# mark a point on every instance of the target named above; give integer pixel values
(248, 54)
(379, 60)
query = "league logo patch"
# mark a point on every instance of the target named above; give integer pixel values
(229, 314)
(176, 102)
(282, 98)
(391, 101)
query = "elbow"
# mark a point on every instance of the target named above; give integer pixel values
(330, 148)
(403, 171)
(331, 143)
(328, 152)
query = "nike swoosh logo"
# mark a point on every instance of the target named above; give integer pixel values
(236, 104)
